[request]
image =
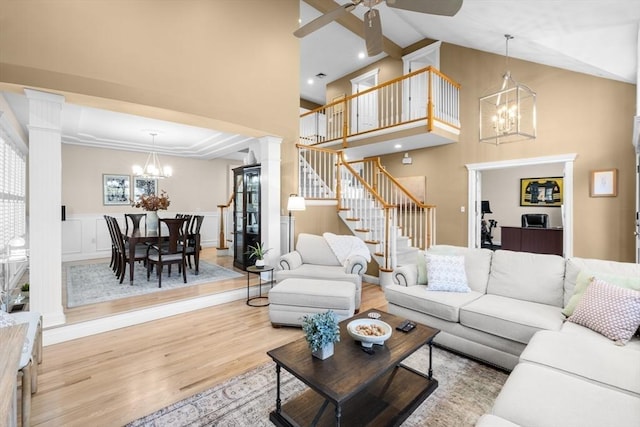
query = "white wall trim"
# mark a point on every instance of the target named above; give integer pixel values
(514, 163)
(85, 236)
(105, 324)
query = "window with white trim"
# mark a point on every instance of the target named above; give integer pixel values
(12, 190)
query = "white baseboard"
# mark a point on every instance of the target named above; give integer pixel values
(69, 332)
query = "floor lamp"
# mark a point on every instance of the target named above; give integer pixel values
(295, 203)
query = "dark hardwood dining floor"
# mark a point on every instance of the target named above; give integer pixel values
(115, 377)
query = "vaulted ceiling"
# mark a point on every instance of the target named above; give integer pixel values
(598, 37)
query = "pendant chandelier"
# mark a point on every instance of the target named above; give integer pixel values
(509, 114)
(152, 168)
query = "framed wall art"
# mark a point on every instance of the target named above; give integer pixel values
(115, 189)
(144, 187)
(603, 183)
(541, 192)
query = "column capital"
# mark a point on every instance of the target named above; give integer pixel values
(38, 95)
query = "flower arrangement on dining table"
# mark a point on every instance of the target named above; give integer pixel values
(151, 202)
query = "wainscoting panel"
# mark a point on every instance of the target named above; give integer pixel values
(87, 236)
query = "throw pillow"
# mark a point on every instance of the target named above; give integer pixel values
(609, 310)
(446, 273)
(6, 319)
(584, 280)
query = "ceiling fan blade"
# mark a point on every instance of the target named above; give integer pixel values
(432, 7)
(323, 20)
(373, 32)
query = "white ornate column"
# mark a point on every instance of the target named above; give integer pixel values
(268, 153)
(45, 197)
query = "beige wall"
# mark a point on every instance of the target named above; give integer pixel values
(224, 64)
(577, 113)
(234, 66)
(197, 185)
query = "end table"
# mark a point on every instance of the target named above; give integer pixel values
(255, 270)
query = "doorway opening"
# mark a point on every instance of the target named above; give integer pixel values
(475, 198)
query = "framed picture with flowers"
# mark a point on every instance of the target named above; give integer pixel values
(144, 187)
(115, 189)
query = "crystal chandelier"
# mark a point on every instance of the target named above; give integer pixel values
(152, 168)
(509, 114)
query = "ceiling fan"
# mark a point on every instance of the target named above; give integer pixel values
(372, 24)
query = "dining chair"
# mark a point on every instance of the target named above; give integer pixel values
(168, 251)
(114, 246)
(193, 242)
(124, 257)
(135, 222)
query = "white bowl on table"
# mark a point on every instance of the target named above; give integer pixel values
(369, 340)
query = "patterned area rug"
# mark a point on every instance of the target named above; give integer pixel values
(93, 283)
(466, 390)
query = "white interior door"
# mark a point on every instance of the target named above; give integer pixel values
(364, 108)
(416, 88)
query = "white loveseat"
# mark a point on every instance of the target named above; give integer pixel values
(313, 258)
(562, 373)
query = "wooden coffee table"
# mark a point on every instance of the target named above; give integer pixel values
(363, 389)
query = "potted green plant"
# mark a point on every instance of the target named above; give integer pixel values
(24, 290)
(258, 252)
(321, 331)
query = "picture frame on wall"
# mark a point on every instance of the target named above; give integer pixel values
(543, 192)
(144, 187)
(116, 189)
(603, 183)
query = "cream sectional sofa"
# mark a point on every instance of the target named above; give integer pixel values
(562, 373)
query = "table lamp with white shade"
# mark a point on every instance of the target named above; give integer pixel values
(295, 203)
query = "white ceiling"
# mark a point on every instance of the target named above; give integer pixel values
(107, 129)
(598, 37)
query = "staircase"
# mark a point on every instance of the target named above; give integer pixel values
(376, 208)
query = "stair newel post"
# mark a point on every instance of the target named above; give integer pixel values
(345, 122)
(221, 238)
(386, 270)
(430, 108)
(339, 161)
(377, 167)
(222, 241)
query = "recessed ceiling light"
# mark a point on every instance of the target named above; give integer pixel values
(321, 75)
(309, 81)
(361, 55)
(397, 146)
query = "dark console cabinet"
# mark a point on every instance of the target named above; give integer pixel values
(536, 240)
(246, 213)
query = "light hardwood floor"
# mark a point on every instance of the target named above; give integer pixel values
(115, 377)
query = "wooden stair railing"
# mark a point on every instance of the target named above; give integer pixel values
(362, 199)
(364, 188)
(415, 218)
(222, 243)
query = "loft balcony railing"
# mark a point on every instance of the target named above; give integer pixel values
(423, 96)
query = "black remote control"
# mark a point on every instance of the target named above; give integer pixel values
(406, 326)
